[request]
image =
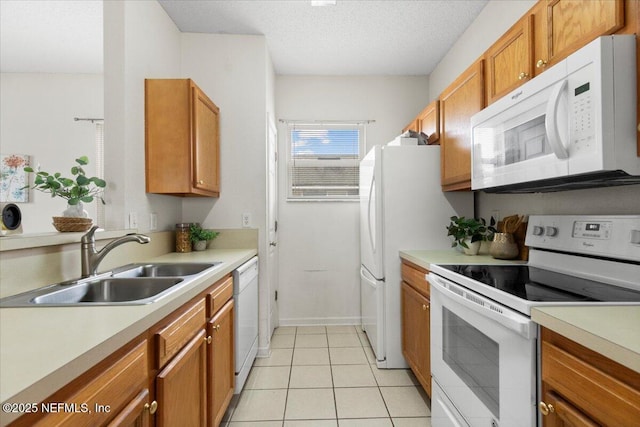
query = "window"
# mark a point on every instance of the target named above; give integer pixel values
(324, 160)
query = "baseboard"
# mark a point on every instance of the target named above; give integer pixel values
(320, 321)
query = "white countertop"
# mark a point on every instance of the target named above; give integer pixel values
(425, 258)
(42, 349)
(613, 331)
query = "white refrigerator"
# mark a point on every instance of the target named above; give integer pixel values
(402, 207)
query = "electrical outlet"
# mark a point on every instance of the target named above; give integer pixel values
(246, 220)
(153, 221)
(133, 219)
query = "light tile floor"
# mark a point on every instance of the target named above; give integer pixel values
(321, 376)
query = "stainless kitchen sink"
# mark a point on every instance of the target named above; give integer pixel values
(163, 269)
(132, 284)
(109, 291)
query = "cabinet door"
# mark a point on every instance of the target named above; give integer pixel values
(414, 126)
(429, 121)
(136, 413)
(509, 60)
(206, 143)
(461, 100)
(181, 388)
(221, 363)
(573, 23)
(561, 413)
(568, 369)
(416, 333)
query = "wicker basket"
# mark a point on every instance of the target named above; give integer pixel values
(63, 223)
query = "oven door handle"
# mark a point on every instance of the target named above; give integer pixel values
(483, 306)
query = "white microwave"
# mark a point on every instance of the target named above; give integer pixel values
(572, 126)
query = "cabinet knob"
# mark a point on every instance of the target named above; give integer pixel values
(208, 339)
(545, 408)
(541, 63)
(425, 306)
(152, 408)
(522, 76)
(217, 327)
(201, 182)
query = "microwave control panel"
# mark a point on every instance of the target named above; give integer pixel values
(582, 114)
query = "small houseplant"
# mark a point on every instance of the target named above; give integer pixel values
(467, 233)
(199, 236)
(76, 190)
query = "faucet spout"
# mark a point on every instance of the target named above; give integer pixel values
(91, 257)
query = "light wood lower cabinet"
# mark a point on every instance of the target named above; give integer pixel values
(181, 389)
(583, 388)
(416, 324)
(221, 377)
(180, 372)
(115, 389)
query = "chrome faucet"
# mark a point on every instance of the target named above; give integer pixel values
(91, 258)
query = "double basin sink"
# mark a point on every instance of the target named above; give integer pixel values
(133, 284)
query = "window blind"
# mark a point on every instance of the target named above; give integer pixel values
(324, 160)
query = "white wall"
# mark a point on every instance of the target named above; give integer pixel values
(319, 241)
(492, 22)
(236, 73)
(36, 112)
(140, 42)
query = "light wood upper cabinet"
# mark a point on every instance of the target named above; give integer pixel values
(182, 139)
(461, 100)
(509, 61)
(563, 26)
(428, 121)
(413, 125)
(583, 388)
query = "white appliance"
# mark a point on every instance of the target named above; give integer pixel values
(402, 207)
(573, 126)
(484, 346)
(245, 325)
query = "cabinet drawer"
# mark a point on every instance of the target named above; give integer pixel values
(600, 395)
(113, 389)
(415, 276)
(218, 297)
(176, 334)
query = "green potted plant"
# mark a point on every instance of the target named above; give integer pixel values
(200, 236)
(467, 233)
(76, 190)
(489, 232)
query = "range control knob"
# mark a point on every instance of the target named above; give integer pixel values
(551, 231)
(538, 230)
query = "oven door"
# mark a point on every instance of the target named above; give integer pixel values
(483, 359)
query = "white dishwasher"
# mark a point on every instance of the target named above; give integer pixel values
(245, 322)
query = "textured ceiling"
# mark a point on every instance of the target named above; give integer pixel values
(52, 36)
(391, 37)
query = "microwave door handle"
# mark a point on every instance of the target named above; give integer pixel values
(551, 122)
